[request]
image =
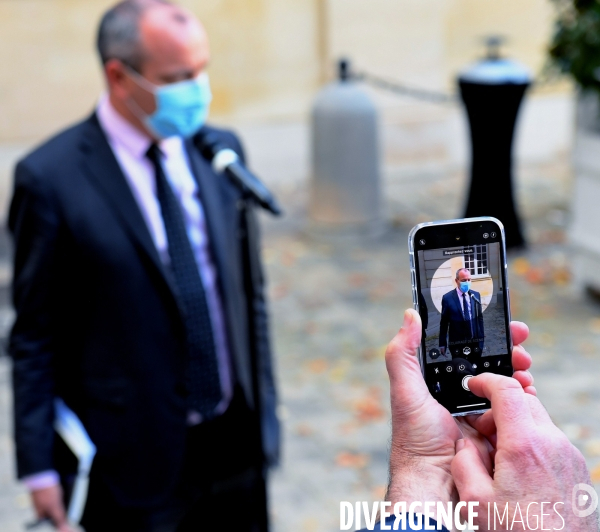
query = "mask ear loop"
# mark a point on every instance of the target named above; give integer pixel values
(140, 80)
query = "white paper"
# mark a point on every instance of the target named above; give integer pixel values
(72, 431)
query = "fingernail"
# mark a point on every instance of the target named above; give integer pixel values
(460, 445)
(408, 318)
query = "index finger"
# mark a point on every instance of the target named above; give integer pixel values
(519, 332)
(510, 410)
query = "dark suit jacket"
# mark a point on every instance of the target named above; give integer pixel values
(98, 323)
(453, 327)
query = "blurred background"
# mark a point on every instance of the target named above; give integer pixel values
(336, 302)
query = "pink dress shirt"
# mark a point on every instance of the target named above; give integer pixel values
(460, 298)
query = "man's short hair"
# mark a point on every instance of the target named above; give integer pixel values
(460, 270)
(119, 32)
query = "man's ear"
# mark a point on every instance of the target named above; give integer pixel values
(117, 79)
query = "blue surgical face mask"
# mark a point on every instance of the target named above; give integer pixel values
(465, 286)
(181, 108)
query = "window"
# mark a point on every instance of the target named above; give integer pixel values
(477, 262)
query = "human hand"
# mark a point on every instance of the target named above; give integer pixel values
(534, 463)
(443, 350)
(48, 503)
(423, 431)
(521, 361)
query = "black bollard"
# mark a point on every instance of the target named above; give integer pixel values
(492, 92)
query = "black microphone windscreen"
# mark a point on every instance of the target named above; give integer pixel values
(209, 144)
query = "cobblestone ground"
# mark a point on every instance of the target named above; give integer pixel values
(334, 307)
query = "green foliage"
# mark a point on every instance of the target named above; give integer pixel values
(575, 47)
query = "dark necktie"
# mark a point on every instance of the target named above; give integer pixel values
(466, 313)
(204, 386)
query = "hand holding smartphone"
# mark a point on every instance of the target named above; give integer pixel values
(460, 289)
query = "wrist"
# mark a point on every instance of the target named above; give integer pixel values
(420, 479)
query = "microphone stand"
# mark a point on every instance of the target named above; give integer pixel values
(210, 145)
(473, 297)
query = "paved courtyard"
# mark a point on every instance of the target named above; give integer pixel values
(334, 306)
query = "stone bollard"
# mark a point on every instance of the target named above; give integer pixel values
(345, 187)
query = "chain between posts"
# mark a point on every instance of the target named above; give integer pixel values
(430, 95)
(405, 90)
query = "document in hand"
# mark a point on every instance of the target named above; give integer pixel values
(72, 431)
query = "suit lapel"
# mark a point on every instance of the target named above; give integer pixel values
(103, 170)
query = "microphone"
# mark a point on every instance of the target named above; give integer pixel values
(473, 296)
(225, 160)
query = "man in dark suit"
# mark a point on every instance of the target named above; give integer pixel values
(461, 323)
(140, 299)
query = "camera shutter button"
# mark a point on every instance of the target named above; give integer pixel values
(465, 382)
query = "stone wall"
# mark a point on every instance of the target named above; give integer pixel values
(269, 57)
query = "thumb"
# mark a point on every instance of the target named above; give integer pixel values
(402, 350)
(471, 477)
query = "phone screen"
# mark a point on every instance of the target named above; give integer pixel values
(460, 290)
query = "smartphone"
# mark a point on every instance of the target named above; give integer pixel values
(460, 289)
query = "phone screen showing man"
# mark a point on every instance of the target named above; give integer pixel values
(463, 303)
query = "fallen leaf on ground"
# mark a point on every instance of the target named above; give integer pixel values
(357, 280)
(22, 500)
(561, 276)
(353, 460)
(349, 427)
(535, 275)
(340, 370)
(311, 328)
(544, 311)
(369, 408)
(592, 448)
(288, 258)
(588, 348)
(552, 236)
(280, 291)
(370, 353)
(583, 398)
(520, 266)
(318, 365)
(269, 255)
(546, 340)
(304, 430)
(379, 492)
(382, 290)
(595, 474)
(595, 325)
(310, 525)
